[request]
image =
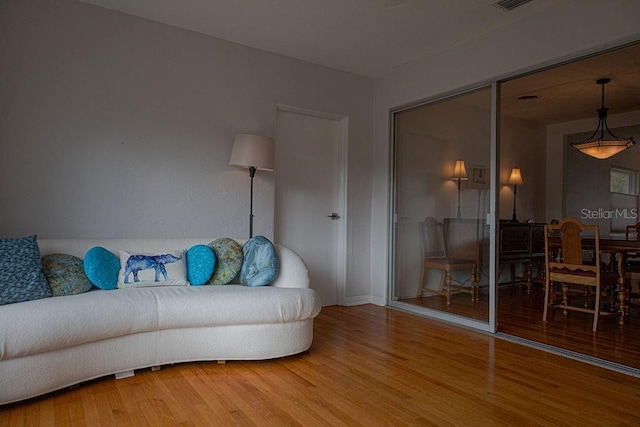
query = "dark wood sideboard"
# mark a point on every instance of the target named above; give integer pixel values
(522, 243)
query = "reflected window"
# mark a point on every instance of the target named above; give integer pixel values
(624, 181)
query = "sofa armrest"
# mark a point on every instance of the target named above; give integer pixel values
(293, 272)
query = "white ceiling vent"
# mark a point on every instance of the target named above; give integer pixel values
(509, 5)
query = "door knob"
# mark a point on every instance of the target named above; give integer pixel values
(334, 216)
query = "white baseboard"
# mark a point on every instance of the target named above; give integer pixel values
(364, 299)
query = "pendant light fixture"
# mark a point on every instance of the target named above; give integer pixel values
(603, 145)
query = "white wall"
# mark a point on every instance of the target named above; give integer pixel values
(116, 126)
(566, 30)
(522, 144)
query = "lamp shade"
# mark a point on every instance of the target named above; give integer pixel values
(459, 171)
(604, 149)
(253, 151)
(516, 177)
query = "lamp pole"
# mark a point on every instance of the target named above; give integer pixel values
(515, 192)
(458, 215)
(252, 173)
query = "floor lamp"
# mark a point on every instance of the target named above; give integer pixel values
(459, 174)
(255, 153)
(515, 179)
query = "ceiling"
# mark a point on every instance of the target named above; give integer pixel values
(375, 37)
(366, 37)
(569, 92)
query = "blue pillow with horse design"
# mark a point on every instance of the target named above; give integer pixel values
(155, 269)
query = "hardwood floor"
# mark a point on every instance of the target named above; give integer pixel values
(520, 315)
(368, 366)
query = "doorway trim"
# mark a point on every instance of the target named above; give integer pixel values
(341, 250)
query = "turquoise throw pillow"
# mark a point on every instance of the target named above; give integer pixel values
(229, 258)
(260, 266)
(21, 277)
(201, 262)
(102, 268)
(65, 274)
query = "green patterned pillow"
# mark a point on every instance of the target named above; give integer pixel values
(229, 257)
(65, 274)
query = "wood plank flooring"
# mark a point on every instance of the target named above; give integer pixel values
(368, 366)
(520, 315)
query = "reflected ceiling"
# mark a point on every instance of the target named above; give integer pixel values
(569, 92)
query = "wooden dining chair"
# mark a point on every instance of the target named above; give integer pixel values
(564, 264)
(440, 253)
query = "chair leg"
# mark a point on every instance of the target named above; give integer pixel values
(421, 281)
(474, 285)
(448, 281)
(565, 298)
(529, 276)
(546, 299)
(586, 297)
(596, 311)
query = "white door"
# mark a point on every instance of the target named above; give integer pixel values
(309, 190)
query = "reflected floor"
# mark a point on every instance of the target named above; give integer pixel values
(520, 315)
(461, 304)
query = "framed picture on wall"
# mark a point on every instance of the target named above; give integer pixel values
(479, 177)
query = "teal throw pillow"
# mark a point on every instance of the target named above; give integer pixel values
(229, 258)
(260, 265)
(21, 277)
(65, 274)
(201, 262)
(102, 268)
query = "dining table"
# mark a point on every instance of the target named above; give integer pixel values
(618, 248)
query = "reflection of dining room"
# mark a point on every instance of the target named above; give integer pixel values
(565, 151)
(521, 305)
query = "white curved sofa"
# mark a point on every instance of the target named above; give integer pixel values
(55, 342)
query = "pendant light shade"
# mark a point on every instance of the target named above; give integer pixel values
(603, 144)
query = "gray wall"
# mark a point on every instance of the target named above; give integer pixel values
(116, 126)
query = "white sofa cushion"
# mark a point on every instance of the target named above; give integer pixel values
(60, 322)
